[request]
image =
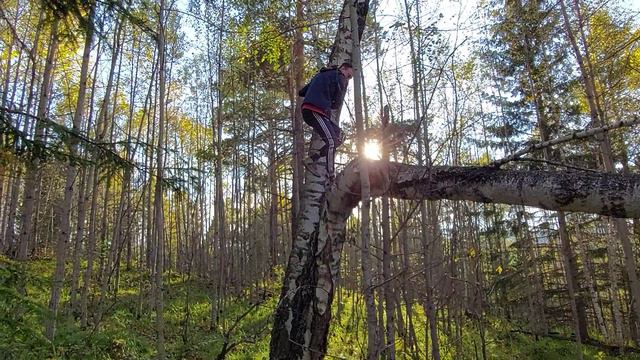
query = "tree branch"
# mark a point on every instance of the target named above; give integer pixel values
(563, 139)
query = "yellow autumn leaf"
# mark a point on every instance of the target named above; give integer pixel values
(472, 252)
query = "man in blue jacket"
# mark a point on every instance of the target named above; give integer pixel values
(325, 92)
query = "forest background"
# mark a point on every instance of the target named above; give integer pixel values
(150, 177)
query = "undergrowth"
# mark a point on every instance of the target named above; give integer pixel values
(126, 332)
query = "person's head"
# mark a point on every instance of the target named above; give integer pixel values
(346, 69)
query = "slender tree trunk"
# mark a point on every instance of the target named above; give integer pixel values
(11, 212)
(158, 205)
(273, 209)
(94, 181)
(614, 286)
(367, 279)
(432, 254)
(589, 278)
(219, 216)
(377, 269)
(569, 265)
(408, 294)
(386, 259)
(135, 67)
(3, 200)
(65, 208)
(30, 197)
(77, 244)
(112, 264)
(298, 131)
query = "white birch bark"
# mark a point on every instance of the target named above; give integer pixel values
(303, 313)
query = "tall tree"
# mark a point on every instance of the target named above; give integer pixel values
(71, 173)
(365, 222)
(30, 197)
(302, 318)
(298, 131)
(158, 198)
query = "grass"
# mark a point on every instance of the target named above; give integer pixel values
(126, 334)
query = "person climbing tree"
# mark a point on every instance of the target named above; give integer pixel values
(325, 92)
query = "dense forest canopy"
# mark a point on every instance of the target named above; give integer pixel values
(155, 188)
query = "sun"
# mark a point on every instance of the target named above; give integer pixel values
(372, 150)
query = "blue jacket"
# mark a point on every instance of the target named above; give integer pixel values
(326, 90)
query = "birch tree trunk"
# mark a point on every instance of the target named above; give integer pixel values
(4, 244)
(301, 320)
(11, 211)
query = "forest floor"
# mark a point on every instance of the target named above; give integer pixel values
(125, 332)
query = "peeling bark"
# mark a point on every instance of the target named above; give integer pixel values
(599, 193)
(607, 194)
(304, 297)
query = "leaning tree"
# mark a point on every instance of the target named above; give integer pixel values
(303, 314)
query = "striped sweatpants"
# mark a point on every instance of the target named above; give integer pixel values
(328, 131)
